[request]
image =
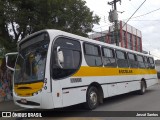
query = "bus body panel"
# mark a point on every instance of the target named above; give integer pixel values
(72, 96)
(57, 94)
(111, 86)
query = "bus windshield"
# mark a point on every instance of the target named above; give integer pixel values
(31, 61)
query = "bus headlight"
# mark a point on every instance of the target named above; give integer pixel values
(39, 91)
(35, 93)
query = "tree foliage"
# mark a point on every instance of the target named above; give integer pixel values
(23, 17)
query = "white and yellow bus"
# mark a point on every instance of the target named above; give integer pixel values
(55, 69)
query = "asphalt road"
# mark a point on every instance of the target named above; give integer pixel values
(150, 102)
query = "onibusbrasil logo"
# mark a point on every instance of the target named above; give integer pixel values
(19, 114)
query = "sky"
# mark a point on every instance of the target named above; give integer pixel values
(148, 24)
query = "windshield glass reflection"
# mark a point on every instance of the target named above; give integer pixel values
(30, 65)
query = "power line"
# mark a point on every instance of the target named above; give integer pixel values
(145, 20)
(135, 7)
(145, 14)
(134, 12)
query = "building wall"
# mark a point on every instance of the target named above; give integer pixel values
(129, 37)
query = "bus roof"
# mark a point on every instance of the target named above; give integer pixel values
(54, 33)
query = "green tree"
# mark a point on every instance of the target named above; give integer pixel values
(23, 17)
(4, 34)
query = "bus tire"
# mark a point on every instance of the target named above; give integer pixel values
(143, 88)
(92, 100)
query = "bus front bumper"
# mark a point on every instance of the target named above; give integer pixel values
(40, 101)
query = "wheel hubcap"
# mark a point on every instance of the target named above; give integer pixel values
(93, 98)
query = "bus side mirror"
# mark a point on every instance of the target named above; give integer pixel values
(60, 57)
(7, 56)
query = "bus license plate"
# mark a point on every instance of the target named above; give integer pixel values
(23, 100)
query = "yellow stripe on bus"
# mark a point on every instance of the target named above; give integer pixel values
(85, 71)
(104, 71)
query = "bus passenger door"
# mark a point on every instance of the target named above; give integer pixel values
(66, 61)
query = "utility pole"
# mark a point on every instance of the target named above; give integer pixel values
(113, 17)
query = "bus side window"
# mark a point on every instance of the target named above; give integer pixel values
(132, 60)
(92, 54)
(71, 50)
(140, 61)
(146, 62)
(109, 57)
(122, 61)
(151, 63)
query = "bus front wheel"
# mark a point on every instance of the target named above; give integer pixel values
(91, 98)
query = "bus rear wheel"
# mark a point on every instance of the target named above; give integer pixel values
(91, 98)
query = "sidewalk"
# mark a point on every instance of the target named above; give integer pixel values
(9, 106)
